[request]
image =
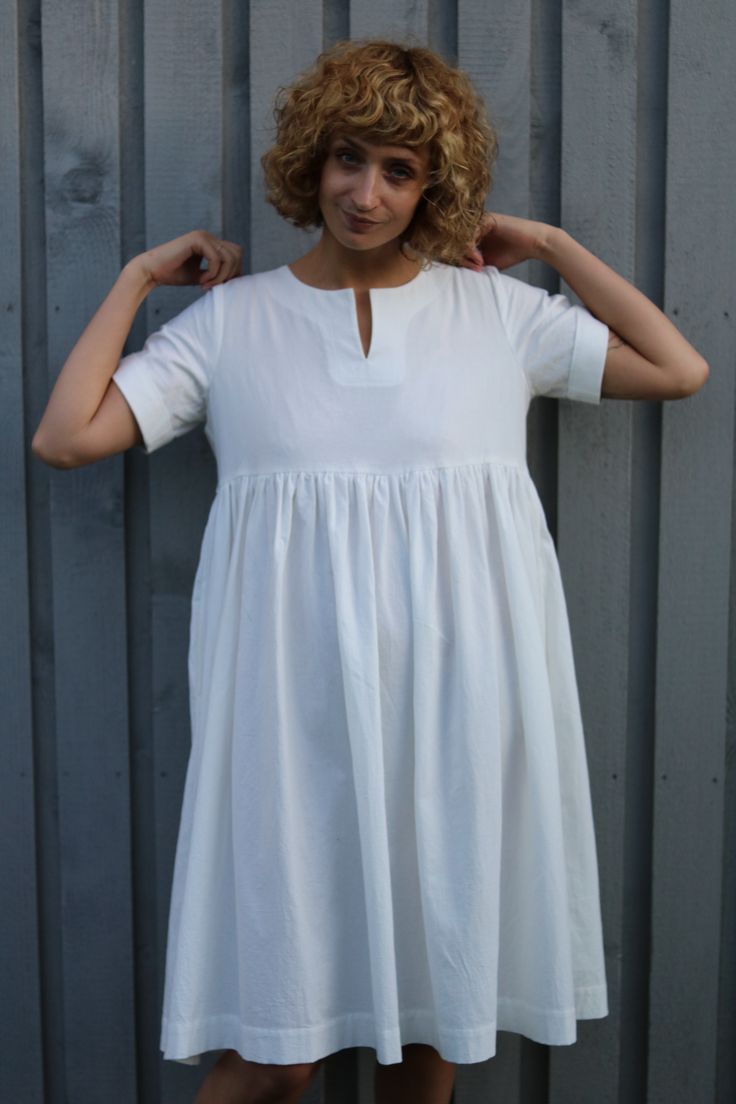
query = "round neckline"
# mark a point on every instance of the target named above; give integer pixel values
(341, 291)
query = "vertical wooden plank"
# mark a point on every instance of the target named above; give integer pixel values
(392, 20)
(726, 1058)
(442, 29)
(35, 375)
(82, 202)
(183, 191)
(335, 21)
(598, 207)
(544, 206)
(633, 998)
(494, 49)
(137, 558)
(284, 40)
(21, 1071)
(697, 473)
(236, 118)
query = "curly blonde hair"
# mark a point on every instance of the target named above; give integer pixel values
(393, 94)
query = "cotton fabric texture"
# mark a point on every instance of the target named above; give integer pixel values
(386, 832)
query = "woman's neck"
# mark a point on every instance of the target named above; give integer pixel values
(329, 266)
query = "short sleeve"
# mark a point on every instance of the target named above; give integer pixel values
(561, 347)
(166, 383)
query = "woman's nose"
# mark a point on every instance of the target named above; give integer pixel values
(365, 194)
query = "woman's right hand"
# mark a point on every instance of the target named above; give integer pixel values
(178, 261)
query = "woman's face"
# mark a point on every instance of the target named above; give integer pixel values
(368, 193)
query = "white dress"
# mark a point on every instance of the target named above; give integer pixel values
(386, 833)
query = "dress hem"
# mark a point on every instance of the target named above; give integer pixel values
(185, 1041)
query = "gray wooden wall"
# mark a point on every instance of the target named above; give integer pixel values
(128, 122)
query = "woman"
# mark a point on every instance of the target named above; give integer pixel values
(386, 835)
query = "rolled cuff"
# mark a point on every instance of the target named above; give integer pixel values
(144, 399)
(585, 380)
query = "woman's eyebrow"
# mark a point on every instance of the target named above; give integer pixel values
(405, 155)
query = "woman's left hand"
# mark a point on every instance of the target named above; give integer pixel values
(505, 240)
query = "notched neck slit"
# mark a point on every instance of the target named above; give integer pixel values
(368, 307)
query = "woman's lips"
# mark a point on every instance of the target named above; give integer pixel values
(356, 223)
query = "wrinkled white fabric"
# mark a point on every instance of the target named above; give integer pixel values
(386, 833)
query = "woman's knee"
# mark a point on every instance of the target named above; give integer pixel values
(256, 1082)
(286, 1082)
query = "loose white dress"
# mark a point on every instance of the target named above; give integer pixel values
(386, 833)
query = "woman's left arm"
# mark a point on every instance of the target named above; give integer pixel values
(648, 358)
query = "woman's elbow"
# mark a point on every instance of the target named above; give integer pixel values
(54, 459)
(688, 380)
(696, 377)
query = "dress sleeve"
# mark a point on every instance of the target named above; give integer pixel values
(560, 346)
(166, 383)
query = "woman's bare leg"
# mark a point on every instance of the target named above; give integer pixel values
(422, 1077)
(234, 1080)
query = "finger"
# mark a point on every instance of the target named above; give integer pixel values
(231, 249)
(227, 265)
(234, 255)
(209, 250)
(470, 260)
(214, 266)
(233, 261)
(210, 275)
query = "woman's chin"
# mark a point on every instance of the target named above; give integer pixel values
(366, 242)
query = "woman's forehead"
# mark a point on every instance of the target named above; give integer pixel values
(410, 153)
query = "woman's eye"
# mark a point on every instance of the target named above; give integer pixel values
(349, 157)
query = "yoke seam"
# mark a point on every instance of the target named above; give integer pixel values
(400, 473)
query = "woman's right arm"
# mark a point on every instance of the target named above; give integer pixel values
(87, 418)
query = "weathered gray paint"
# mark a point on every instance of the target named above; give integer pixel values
(726, 1060)
(284, 39)
(694, 558)
(20, 1023)
(87, 568)
(384, 19)
(594, 514)
(141, 121)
